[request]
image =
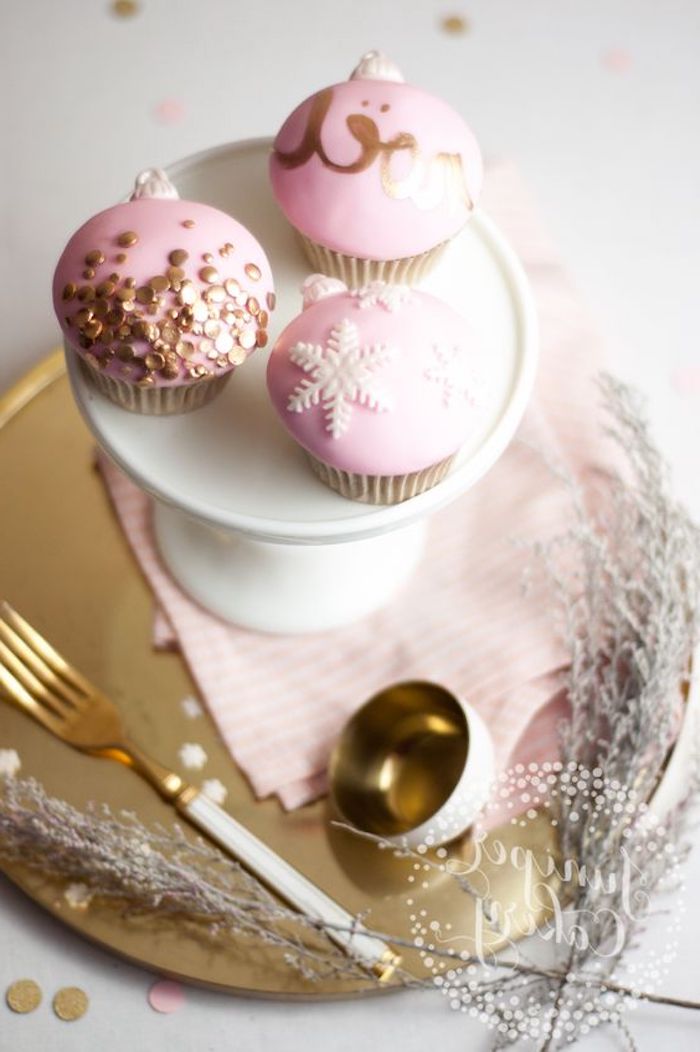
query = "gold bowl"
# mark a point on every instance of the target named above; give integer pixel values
(413, 765)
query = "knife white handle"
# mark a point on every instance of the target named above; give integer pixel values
(287, 882)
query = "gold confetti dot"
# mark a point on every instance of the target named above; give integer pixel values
(456, 25)
(128, 238)
(121, 257)
(125, 8)
(23, 996)
(178, 256)
(159, 283)
(189, 223)
(69, 291)
(271, 300)
(253, 271)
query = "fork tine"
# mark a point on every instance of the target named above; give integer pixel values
(38, 690)
(58, 676)
(40, 647)
(27, 702)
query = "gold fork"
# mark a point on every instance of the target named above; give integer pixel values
(35, 676)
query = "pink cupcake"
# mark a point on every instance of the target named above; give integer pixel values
(381, 386)
(375, 175)
(162, 299)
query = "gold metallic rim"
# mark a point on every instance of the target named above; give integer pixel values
(46, 372)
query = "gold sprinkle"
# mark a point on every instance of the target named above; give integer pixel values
(82, 317)
(115, 316)
(88, 273)
(154, 360)
(271, 300)
(455, 24)
(253, 305)
(188, 294)
(93, 329)
(200, 311)
(125, 353)
(232, 286)
(237, 356)
(159, 283)
(253, 271)
(189, 223)
(247, 339)
(121, 257)
(207, 257)
(86, 293)
(215, 294)
(224, 342)
(23, 996)
(226, 250)
(178, 256)
(212, 328)
(185, 349)
(130, 283)
(100, 308)
(128, 238)
(170, 372)
(170, 333)
(69, 291)
(126, 294)
(147, 381)
(94, 258)
(145, 294)
(209, 274)
(198, 372)
(106, 288)
(175, 274)
(263, 318)
(261, 337)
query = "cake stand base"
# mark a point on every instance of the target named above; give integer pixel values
(287, 588)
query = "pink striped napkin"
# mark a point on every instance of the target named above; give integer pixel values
(464, 619)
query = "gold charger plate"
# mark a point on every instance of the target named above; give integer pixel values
(66, 566)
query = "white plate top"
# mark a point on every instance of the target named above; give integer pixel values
(232, 463)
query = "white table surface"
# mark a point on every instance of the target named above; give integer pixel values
(614, 162)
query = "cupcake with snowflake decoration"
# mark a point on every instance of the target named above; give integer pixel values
(162, 299)
(380, 385)
(375, 175)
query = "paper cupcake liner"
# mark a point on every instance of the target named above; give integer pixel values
(357, 272)
(380, 489)
(155, 401)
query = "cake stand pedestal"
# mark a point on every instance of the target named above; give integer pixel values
(241, 521)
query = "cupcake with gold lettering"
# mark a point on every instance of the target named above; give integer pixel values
(375, 175)
(162, 299)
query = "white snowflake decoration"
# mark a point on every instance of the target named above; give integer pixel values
(192, 755)
(191, 707)
(453, 373)
(10, 763)
(340, 375)
(391, 297)
(215, 790)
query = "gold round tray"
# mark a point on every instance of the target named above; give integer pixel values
(65, 565)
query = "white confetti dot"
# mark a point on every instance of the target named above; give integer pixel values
(192, 755)
(191, 707)
(10, 762)
(215, 790)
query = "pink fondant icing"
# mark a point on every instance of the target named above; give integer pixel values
(404, 366)
(160, 225)
(406, 199)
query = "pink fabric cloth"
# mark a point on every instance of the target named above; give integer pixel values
(463, 620)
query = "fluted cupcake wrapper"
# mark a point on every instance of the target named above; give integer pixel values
(357, 272)
(380, 489)
(155, 401)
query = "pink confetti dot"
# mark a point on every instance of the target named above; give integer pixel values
(166, 996)
(616, 60)
(169, 111)
(686, 380)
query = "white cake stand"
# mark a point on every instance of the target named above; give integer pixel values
(240, 520)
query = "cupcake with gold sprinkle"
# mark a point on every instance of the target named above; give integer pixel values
(162, 299)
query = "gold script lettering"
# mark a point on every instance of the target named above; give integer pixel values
(428, 181)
